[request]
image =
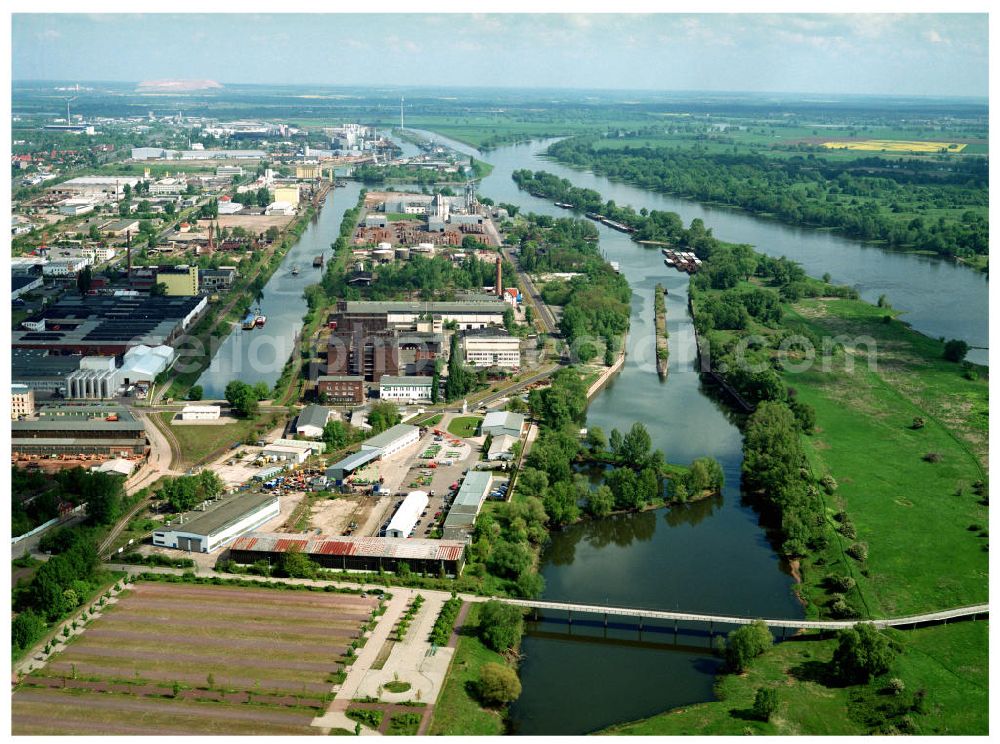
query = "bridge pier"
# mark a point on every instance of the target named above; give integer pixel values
(605, 621)
(569, 617)
(784, 629)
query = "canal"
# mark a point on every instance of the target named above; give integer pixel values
(260, 354)
(703, 557)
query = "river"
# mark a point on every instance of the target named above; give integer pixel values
(260, 354)
(708, 556)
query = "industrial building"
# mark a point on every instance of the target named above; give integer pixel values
(23, 284)
(296, 452)
(179, 281)
(198, 412)
(375, 448)
(76, 429)
(311, 421)
(105, 325)
(99, 377)
(343, 389)
(501, 447)
(392, 440)
(407, 515)
(22, 401)
(406, 389)
(468, 501)
(216, 527)
(160, 153)
(497, 423)
(42, 372)
(474, 313)
(492, 347)
(102, 186)
(354, 553)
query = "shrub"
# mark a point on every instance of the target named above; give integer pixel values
(918, 422)
(829, 483)
(847, 529)
(896, 686)
(840, 583)
(932, 457)
(955, 350)
(858, 551)
(765, 703)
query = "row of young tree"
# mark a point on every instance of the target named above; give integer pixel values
(859, 197)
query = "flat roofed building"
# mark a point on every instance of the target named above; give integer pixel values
(298, 452)
(406, 389)
(392, 440)
(344, 389)
(113, 186)
(69, 429)
(472, 494)
(109, 325)
(180, 281)
(340, 471)
(492, 347)
(355, 553)
(198, 412)
(22, 401)
(407, 515)
(216, 527)
(23, 284)
(42, 372)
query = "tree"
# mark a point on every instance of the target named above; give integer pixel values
(765, 703)
(508, 319)
(103, 494)
(158, 290)
(295, 565)
(195, 392)
(500, 625)
(862, 653)
(636, 445)
(747, 643)
(955, 350)
(595, 439)
(84, 279)
(262, 390)
(586, 351)
(26, 628)
(600, 502)
(383, 415)
(242, 398)
(704, 474)
(335, 435)
(498, 684)
(772, 449)
(509, 559)
(561, 503)
(435, 387)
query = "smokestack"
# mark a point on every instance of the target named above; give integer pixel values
(499, 281)
(128, 252)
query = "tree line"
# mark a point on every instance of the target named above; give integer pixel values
(877, 198)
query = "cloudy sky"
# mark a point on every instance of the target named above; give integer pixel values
(871, 54)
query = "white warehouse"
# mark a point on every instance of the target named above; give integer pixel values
(406, 516)
(392, 440)
(201, 413)
(217, 527)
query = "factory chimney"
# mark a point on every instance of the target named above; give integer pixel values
(499, 281)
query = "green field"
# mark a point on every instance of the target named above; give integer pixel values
(457, 712)
(866, 441)
(948, 661)
(198, 441)
(464, 426)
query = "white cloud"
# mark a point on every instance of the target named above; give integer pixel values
(49, 34)
(933, 37)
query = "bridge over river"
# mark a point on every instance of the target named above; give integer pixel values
(644, 615)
